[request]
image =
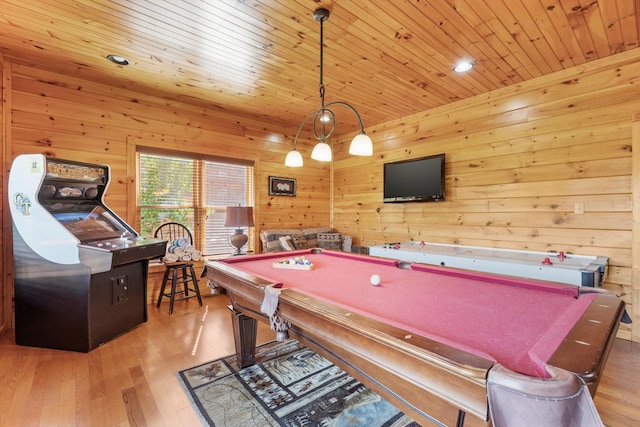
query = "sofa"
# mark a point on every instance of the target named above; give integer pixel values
(288, 239)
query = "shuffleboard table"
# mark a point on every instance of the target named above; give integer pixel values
(572, 269)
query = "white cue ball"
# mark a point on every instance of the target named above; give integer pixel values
(375, 280)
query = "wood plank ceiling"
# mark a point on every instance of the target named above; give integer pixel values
(260, 59)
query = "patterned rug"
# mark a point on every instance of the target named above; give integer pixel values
(289, 385)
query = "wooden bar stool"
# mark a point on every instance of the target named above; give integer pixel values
(179, 272)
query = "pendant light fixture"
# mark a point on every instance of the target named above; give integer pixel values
(324, 120)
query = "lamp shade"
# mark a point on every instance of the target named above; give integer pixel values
(293, 159)
(239, 216)
(361, 145)
(321, 152)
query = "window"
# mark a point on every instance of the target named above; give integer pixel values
(193, 191)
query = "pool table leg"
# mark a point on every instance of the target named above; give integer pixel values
(245, 329)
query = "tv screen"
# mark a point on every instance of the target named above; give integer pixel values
(414, 180)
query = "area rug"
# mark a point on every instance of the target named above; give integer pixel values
(289, 385)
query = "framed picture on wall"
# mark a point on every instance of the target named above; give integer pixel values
(282, 186)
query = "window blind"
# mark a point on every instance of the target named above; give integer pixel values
(195, 192)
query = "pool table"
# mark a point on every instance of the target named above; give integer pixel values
(426, 337)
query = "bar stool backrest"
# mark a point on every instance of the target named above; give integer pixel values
(171, 231)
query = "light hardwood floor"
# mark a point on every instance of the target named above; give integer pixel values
(131, 380)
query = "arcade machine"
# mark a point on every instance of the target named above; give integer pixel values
(80, 270)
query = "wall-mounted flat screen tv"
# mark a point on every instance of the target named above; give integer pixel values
(415, 180)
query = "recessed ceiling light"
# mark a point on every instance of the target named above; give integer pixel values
(117, 59)
(463, 66)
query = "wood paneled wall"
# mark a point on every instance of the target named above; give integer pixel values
(70, 118)
(521, 162)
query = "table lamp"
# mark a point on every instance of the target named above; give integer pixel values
(239, 217)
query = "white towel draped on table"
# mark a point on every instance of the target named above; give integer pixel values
(270, 308)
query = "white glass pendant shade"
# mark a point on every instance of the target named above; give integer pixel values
(321, 152)
(293, 159)
(361, 145)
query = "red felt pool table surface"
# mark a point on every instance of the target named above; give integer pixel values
(520, 323)
(517, 322)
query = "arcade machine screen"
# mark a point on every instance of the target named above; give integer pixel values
(76, 205)
(97, 223)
